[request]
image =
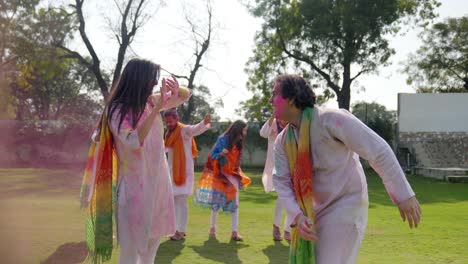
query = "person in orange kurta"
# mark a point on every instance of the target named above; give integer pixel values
(222, 177)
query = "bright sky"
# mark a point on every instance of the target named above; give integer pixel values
(164, 41)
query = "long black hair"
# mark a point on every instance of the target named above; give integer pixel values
(235, 135)
(131, 92)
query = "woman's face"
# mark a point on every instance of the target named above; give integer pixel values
(279, 103)
(244, 131)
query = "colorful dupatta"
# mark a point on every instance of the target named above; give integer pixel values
(300, 165)
(98, 193)
(214, 189)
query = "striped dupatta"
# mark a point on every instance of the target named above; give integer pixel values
(300, 165)
(98, 193)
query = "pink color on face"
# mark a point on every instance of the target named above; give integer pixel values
(279, 103)
(171, 122)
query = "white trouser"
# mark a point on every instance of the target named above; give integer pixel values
(279, 215)
(340, 231)
(235, 215)
(128, 251)
(181, 210)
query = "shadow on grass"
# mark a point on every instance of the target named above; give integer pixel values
(169, 250)
(70, 253)
(18, 182)
(223, 252)
(277, 253)
(255, 193)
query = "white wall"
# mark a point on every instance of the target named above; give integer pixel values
(433, 112)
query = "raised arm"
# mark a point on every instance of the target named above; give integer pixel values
(360, 139)
(198, 129)
(267, 128)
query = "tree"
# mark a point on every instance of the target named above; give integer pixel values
(201, 34)
(331, 42)
(12, 15)
(441, 63)
(45, 85)
(377, 117)
(133, 14)
(204, 104)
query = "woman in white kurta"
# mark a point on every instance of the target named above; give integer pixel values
(145, 209)
(340, 199)
(270, 131)
(181, 192)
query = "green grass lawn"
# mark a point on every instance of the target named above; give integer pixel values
(41, 221)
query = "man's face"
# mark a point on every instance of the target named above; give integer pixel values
(279, 103)
(171, 122)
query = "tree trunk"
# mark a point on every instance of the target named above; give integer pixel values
(344, 96)
(187, 112)
(120, 59)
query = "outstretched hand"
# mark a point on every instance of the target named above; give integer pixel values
(411, 211)
(207, 119)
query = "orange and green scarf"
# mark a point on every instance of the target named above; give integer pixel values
(101, 187)
(174, 140)
(300, 164)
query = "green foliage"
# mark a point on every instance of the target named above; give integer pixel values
(441, 63)
(43, 83)
(203, 104)
(331, 43)
(377, 117)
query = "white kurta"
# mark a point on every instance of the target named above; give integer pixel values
(269, 132)
(188, 132)
(340, 187)
(144, 190)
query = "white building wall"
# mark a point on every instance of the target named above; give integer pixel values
(433, 112)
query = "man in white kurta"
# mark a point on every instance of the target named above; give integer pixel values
(340, 199)
(270, 131)
(181, 192)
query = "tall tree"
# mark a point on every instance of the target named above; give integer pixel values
(441, 63)
(46, 86)
(13, 14)
(201, 31)
(332, 42)
(132, 15)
